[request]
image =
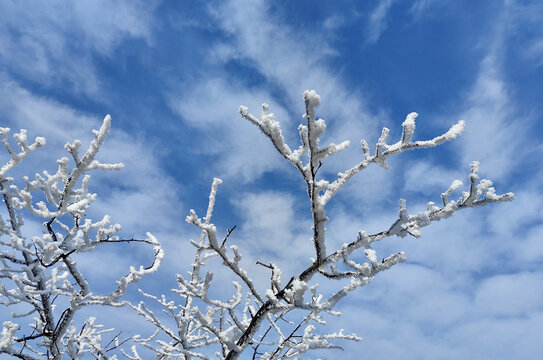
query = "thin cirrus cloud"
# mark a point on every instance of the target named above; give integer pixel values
(524, 18)
(279, 54)
(377, 21)
(54, 44)
(379, 17)
(288, 68)
(497, 125)
(211, 106)
(491, 123)
(417, 179)
(261, 235)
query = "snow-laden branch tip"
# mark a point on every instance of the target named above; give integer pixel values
(16, 157)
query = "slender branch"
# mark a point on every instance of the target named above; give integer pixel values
(228, 232)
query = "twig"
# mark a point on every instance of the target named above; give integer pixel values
(269, 266)
(228, 232)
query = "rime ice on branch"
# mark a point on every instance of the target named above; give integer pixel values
(39, 279)
(258, 323)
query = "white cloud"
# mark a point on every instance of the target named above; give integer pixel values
(493, 135)
(334, 21)
(446, 302)
(420, 309)
(535, 52)
(54, 43)
(43, 117)
(499, 338)
(422, 7)
(242, 151)
(280, 53)
(417, 313)
(497, 128)
(377, 24)
(292, 60)
(510, 295)
(523, 15)
(430, 179)
(275, 230)
(531, 249)
(526, 209)
(368, 192)
(390, 334)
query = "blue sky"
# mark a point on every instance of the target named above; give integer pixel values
(173, 74)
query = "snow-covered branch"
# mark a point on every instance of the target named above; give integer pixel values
(261, 320)
(39, 276)
(43, 284)
(320, 191)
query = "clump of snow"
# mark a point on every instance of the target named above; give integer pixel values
(312, 98)
(408, 127)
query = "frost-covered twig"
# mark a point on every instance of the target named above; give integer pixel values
(39, 274)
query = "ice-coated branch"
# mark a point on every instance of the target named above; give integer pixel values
(201, 321)
(310, 134)
(270, 127)
(26, 149)
(66, 199)
(38, 275)
(281, 321)
(383, 151)
(320, 191)
(210, 231)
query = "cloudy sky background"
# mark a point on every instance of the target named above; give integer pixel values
(173, 74)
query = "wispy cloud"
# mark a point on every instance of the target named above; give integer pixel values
(211, 106)
(519, 294)
(265, 238)
(452, 287)
(279, 54)
(377, 21)
(535, 52)
(493, 137)
(428, 178)
(421, 7)
(496, 125)
(55, 43)
(523, 15)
